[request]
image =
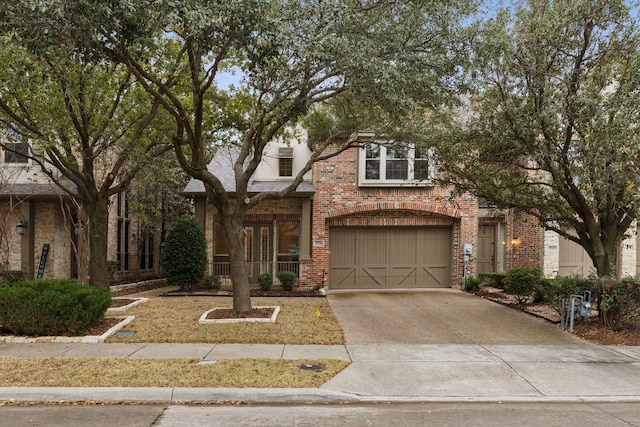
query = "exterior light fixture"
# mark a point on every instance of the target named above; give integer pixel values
(21, 227)
(515, 242)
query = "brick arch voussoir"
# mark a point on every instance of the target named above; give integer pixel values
(381, 206)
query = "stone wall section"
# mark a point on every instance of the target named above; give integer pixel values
(551, 261)
(50, 228)
(628, 253)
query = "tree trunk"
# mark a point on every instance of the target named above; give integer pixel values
(235, 237)
(605, 261)
(98, 228)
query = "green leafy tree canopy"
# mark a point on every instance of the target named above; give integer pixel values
(551, 129)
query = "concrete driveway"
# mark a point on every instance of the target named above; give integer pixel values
(438, 317)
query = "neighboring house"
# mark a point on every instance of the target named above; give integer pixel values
(369, 218)
(134, 243)
(31, 201)
(49, 222)
(563, 257)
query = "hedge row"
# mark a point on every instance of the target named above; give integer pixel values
(51, 307)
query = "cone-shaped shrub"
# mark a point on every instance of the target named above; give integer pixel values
(184, 253)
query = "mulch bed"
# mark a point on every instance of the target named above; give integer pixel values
(103, 326)
(228, 313)
(589, 329)
(200, 291)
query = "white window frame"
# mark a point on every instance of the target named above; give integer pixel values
(382, 181)
(285, 153)
(11, 137)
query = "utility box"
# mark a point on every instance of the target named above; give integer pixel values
(585, 309)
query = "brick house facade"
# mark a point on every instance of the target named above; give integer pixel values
(356, 232)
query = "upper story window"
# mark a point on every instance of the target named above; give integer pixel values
(394, 165)
(285, 161)
(16, 150)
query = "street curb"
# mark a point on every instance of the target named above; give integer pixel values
(169, 395)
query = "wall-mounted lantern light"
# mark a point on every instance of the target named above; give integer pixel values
(21, 227)
(515, 242)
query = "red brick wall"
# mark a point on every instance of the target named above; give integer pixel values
(528, 252)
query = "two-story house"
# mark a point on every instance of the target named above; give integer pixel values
(40, 224)
(35, 235)
(369, 218)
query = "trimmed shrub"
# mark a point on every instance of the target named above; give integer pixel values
(472, 283)
(493, 279)
(51, 307)
(184, 253)
(523, 282)
(8, 277)
(212, 282)
(619, 303)
(553, 291)
(287, 280)
(265, 280)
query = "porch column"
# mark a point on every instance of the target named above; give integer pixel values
(274, 249)
(305, 230)
(27, 241)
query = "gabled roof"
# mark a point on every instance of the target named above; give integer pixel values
(222, 166)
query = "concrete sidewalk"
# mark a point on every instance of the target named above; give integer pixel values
(378, 373)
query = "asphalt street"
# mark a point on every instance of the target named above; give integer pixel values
(495, 414)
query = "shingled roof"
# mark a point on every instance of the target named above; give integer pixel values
(32, 189)
(222, 166)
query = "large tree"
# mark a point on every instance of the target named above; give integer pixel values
(552, 130)
(88, 125)
(393, 58)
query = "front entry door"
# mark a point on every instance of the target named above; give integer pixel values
(258, 250)
(486, 249)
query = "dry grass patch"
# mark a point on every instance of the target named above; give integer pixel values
(82, 372)
(175, 319)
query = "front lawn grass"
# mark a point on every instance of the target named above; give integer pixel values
(175, 320)
(83, 372)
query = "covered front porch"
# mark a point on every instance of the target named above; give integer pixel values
(223, 269)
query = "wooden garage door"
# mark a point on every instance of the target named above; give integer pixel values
(574, 259)
(389, 258)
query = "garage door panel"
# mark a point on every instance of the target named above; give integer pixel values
(343, 245)
(390, 258)
(401, 246)
(370, 247)
(373, 277)
(343, 277)
(436, 277)
(403, 277)
(574, 259)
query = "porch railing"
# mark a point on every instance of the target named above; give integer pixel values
(223, 269)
